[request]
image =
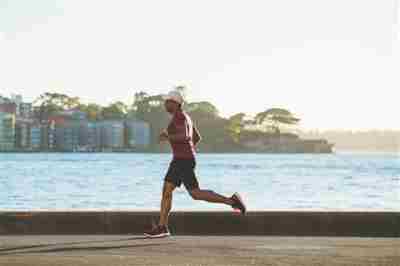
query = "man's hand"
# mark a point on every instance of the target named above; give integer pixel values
(163, 136)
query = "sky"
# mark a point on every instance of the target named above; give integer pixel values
(333, 63)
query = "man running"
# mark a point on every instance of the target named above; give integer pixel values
(183, 137)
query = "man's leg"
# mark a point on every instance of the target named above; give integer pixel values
(166, 202)
(192, 185)
(210, 196)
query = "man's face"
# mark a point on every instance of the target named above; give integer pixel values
(170, 106)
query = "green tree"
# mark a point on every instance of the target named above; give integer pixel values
(214, 129)
(93, 111)
(203, 109)
(51, 103)
(60, 100)
(71, 102)
(236, 125)
(141, 105)
(116, 110)
(275, 118)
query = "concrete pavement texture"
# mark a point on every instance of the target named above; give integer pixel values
(107, 250)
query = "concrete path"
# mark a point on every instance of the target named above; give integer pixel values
(121, 250)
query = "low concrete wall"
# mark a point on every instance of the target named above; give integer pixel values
(273, 223)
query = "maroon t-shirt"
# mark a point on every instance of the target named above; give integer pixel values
(181, 123)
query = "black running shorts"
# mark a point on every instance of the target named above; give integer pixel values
(182, 171)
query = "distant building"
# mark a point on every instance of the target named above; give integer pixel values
(3, 99)
(8, 107)
(117, 134)
(36, 136)
(93, 136)
(112, 134)
(7, 131)
(22, 135)
(71, 130)
(26, 110)
(23, 109)
(67, 135)
(50, 136)
(22, 113)
(41, 136)
(17, 100)
(137, 134)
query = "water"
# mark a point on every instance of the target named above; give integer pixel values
(343, 181)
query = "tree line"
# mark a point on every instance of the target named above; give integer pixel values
(219, 133)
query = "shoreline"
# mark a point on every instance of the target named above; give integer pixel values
(219, 152)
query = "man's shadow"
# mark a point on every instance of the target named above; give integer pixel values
(6, 251)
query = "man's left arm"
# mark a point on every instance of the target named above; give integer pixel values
(196, 136)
